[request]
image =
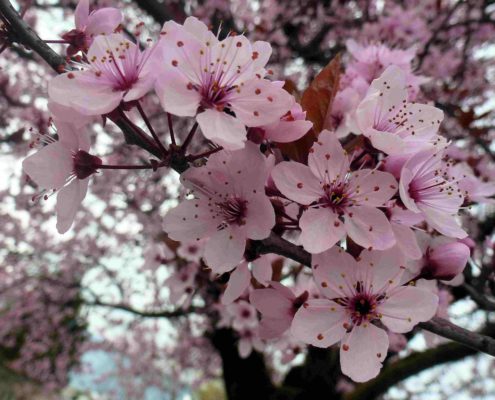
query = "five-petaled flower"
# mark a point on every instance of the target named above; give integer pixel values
(230, 206)
(221, 82)
(425, 188)
(392, 123)
(117, 71)
(338, 201)
(355, 296)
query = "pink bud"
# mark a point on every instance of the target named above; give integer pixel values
(446, 261)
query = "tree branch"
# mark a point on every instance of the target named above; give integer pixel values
(141, 313)
(23, 34)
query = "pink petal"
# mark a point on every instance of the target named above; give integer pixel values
(406, 240)
(362, 352)
(84, 92)
(222, 128)
(297, 182)
(262, 270)
(272, 303)
(260, 217)
(327, 158)
(444, 223)
(103, 21)
(224, 250)
(263, 52)
(175, 95)
(381, 270)
(238, 282)
(69, 199)
(287, 131)
(332, 270)
(406, 306)
(66, 114)
(320, 229)
(369, 227)
(199, 30)
(392, 83)
(72, 137)
(260, 102)
(373, 188)
(81, 14)
(50, 167)
(320, 323)
(181, 223)
(272, 328)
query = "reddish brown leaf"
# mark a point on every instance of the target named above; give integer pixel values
(316, 100)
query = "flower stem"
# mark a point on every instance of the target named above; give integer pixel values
(171, 129)
(189, 138)
(150, 127)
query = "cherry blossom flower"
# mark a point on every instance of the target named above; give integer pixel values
(230, 206)
(278, 305)
(117, 71)
(220, 82)
(424, 188)
(355, 295)
(339, 201)
(155, 255)
(65, 166)
(191, 251)
(181, 283)
(88, 25)
(394, 125)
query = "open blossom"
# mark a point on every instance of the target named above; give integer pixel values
(356, 295)
(394, 125)
(117, 71)
(339, 201)
(181, 284)
(230, 206)
(88, 25)
(221, 82)
(425, 188)
(64, 166)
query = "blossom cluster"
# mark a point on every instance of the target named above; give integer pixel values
(376, 201)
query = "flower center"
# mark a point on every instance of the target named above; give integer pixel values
(85, 164)
(362, 307)
(233, 211)
(335, 197)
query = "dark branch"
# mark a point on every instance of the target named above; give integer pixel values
(23, 34)
(141, 313)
